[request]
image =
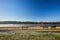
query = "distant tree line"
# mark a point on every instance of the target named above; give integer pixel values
(16, 22)
(27, 22)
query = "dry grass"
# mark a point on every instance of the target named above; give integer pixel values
(31, 36)
(26, 29)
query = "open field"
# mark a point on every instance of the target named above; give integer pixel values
(30, 36)
(17, 33)
(27, 29)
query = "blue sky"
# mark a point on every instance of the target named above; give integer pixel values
(29, 10)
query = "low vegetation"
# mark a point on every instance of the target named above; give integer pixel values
(30, 36)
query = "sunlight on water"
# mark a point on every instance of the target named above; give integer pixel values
(18, 25)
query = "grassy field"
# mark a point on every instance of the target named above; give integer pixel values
(30, 36)
(28, 29)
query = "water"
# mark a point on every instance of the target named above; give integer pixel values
(19, 25)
